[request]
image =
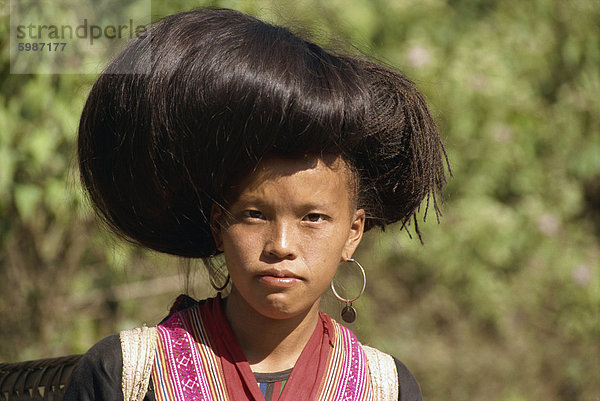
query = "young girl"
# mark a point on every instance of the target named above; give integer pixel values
(243, 139)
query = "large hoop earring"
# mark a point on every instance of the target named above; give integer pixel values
(217, 288)
(348, 312)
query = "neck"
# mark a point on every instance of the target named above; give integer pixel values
(270, 345)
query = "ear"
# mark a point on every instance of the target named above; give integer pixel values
(216, 215)
(354, 234)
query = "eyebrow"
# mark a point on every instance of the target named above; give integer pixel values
(304, 206)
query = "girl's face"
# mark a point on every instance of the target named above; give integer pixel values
(290, 225)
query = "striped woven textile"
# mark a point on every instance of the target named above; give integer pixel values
(347, 376)
(187, 369)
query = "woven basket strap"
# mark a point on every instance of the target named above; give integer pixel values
(138, 347)
(384, 375)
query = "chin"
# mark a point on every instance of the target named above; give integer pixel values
(276, 307)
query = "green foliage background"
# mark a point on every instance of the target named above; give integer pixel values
(501, 303)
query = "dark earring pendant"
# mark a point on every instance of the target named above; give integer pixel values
(349, 313)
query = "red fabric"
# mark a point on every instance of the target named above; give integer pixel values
(176, 305)
(310, 367)
(276, 391)
(240, 381)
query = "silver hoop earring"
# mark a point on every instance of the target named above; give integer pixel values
(213, 285)
(348, 312)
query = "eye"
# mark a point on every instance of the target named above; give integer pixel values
(253, 214)
(314, 217)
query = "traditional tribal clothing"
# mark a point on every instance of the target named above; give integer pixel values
(198, 358)
(98, 376)
(272, 384)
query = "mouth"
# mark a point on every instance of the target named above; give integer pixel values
(278, 278)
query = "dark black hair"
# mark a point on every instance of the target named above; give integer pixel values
(224, 90)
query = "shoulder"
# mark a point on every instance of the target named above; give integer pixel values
(388, 370)
(385, 370)
(98, 374)
(409, 389)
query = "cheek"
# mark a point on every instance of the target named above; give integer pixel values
(240, 244)
(325, 250)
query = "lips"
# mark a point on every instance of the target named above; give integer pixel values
(281, 273)
(279, 278)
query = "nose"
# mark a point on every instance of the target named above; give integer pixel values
(281, 241)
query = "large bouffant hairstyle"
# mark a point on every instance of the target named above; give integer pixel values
(224, 90)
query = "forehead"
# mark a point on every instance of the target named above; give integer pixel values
(303, 175)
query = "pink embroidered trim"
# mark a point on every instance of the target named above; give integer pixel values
(183, 375)
(187, 369)
(348, 377)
